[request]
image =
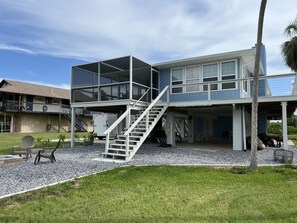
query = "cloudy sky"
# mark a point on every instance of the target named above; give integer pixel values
(40, 40)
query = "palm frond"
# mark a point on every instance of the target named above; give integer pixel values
(291, 29)
(289, 51)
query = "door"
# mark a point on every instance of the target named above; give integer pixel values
(29, 103)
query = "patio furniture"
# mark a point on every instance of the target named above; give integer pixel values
(46, 153)
(25, 147)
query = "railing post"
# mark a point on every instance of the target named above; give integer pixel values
(128, 118)
(147, 120)
(127, 145)
(168, 91)
(107, 143)
(208, 91)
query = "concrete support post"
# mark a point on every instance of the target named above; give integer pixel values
(72, 127)
(170, 128)
(237, 128)
(243, 128)
(285, 125)
(12, 123)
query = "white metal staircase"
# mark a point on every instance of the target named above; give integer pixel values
(126, 145)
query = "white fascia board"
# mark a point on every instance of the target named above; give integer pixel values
(232, 101)
(203, 59)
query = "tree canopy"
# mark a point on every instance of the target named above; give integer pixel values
(289, 48)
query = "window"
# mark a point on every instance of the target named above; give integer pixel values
(193, 75)
(177, 75)
(210, 73)
(228, 73)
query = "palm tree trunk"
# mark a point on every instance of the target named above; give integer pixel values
(254, 145)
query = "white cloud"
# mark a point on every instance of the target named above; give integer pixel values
(151, 30)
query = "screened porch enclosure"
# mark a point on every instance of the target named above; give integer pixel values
(125, 78)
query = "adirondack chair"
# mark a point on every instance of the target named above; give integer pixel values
(25, 147)
(45, 153)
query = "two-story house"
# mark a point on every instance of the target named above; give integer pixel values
(208, 97)
(26, 107)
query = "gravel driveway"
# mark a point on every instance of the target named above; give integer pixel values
(77, 162)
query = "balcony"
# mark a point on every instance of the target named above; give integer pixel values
(270, 88)
(15, 106)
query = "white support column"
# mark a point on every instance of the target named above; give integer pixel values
(237, 128)
(131, 78)
(12, 123)
(170, 128)
(243, 128)
(72, 126)
(285, 125)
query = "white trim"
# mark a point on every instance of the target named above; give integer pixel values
(201, 78)
(235, 74)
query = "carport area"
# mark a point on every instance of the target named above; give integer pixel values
(224, 126)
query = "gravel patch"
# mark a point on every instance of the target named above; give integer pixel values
(77, 162)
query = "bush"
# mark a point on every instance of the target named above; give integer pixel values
(292, 130)
(62, 137)
(274, 128)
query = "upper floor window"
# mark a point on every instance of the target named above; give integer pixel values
(210, 73)
(228, 73)
(198, 77)
(193, 75)
(177, 79)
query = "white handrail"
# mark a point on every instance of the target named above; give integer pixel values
(146, 111)
(115, 124)
(141, 97)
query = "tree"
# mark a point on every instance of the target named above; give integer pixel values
(254, 145)
(289, 48)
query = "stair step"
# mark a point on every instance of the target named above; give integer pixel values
(118, 149)
(123, 142)
(115, 154)
(137, 137)
(121, 145)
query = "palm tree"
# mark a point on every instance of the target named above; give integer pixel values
(254, 144)
(289, 48)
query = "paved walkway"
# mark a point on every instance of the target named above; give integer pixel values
(78, 162)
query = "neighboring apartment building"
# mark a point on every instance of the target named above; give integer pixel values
(26, 107)
(209, 97)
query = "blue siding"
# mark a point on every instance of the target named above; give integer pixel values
(262, 122)
(261, 87)
(164, 78)
(198, 125)
(221, 126)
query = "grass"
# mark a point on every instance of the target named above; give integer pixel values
(293, 138)
(13, 139)
(163, 194)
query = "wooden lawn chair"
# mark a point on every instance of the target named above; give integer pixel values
(25, 148)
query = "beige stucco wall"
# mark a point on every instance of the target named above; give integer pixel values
(38, 123)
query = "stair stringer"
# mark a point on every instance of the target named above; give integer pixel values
(146, 134)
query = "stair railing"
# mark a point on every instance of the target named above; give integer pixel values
(112, 127)
(145, 113)
(141, 97)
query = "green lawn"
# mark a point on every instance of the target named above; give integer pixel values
(12, 139)
(163, 194)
